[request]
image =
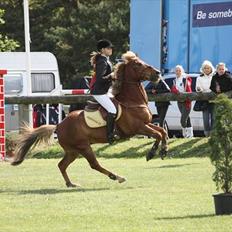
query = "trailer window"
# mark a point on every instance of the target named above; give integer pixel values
(13, 83)
(42, 82)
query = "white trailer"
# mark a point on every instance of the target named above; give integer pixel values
(45, 79)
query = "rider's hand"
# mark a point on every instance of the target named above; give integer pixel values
(110, 76)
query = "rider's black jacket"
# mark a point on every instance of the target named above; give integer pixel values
(103, 69)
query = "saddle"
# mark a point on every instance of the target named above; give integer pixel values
(95, 115)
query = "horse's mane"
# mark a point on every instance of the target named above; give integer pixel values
(129, 56)
(120, 71)
(119, 76)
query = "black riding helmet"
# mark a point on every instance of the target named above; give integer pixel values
(104, 43)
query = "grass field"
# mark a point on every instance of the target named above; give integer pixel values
(174, 194)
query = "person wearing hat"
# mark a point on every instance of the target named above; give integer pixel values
(103, 80)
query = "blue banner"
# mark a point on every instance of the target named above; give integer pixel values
(145, 30)
(212, 14)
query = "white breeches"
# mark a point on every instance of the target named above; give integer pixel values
(104, 100)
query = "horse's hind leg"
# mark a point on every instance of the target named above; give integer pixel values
(68, 158)
(90, 156)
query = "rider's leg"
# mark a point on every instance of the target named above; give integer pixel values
(104, 100)
(110, 127)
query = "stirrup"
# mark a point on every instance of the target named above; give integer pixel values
(111, 139)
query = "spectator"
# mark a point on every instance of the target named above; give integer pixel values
(162, 107)
(39, 115)
(203, 83)
(222, 80)
(182, 84)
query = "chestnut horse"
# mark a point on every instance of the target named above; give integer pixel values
(76, 137)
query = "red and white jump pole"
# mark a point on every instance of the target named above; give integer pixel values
(2, 116)
(75, 91)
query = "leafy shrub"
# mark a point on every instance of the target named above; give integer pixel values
(221, 144)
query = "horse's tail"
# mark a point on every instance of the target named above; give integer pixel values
(31, 137)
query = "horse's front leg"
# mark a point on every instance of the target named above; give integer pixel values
(164, 143)
(147, 130)
(91, 158)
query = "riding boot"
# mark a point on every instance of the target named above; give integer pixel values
(110, 127)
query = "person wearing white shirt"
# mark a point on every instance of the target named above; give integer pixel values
(182, 84)
(203, 83)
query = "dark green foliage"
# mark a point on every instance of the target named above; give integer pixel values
(221, 144)
(6, 44)
(70, 30)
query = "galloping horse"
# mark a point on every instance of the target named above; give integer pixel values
(76, 137)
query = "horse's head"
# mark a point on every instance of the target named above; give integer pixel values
(133, 70)
(138, 70)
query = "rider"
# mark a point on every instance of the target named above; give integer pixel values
(103, 71)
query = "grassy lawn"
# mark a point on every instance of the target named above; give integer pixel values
(174, 194)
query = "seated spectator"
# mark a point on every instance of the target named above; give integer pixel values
(203, 83)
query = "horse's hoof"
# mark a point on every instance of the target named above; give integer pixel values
(71, 185)
(121, 179)
(163, 153)
(150, 155)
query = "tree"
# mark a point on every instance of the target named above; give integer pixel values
(70, 29)
(221, 144)
(6, 44)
